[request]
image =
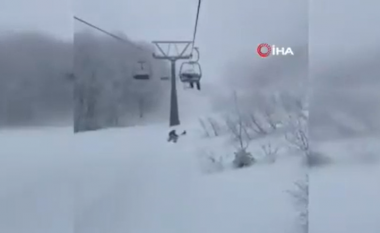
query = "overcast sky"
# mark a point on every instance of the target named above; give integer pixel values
(227, 29)
(342, 35)
(50, 16)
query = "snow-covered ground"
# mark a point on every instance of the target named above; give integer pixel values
(345, 196)
(345, 199)
(132, 180)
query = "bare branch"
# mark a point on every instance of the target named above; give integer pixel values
(301, 198)
(204, 127)
(238, 127)
(297, 135)
(214, 126)
(270, 151)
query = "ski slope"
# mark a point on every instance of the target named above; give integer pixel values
(132, 180)
(345, 197)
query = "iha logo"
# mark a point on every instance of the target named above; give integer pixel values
(264, 50)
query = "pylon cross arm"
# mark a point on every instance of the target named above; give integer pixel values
(165, 55)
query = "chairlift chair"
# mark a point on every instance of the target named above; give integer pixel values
(142, 73)
(190, 72)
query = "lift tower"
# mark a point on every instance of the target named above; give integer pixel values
(174, 112)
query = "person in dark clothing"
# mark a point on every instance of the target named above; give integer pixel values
(173, 136)
(197, 83)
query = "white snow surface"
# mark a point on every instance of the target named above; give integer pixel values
(132, 181)
(345, 197)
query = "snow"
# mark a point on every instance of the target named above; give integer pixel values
(344, 197)
(132, 180)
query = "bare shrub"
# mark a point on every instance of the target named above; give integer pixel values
(254, 124)
(271, 112)
(204, 127)
(270, 119)
(300, 197)
(243, 159)
(297, 134)
(215, 126)
(270, 152)
(298, 137)
(239, 132)
(211, 127)
(237, 127)
(212, 162)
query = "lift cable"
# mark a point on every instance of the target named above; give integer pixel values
(129, 42)
(108, 33)
(196, 23)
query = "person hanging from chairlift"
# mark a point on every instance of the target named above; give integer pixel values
(197, 83)
(173, 136)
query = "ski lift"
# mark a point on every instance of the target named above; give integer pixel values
(190, 72)
(142, 73)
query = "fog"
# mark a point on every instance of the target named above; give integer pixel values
(335, 46)
(34, 89)
(57, 71)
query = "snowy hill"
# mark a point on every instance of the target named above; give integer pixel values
(132, 180)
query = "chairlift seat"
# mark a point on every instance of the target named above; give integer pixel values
(141, 76)
(142, 73)
(191, 77)
(193, 73)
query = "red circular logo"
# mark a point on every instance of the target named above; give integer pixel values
(264, 50)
